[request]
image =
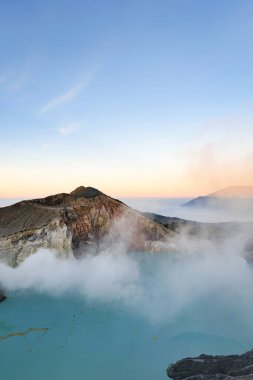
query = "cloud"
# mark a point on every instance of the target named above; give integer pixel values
(69, 129)
(13, 84)
(66, 97)
(18, 84)
(159, 287)
(15, 79)
(151, 286)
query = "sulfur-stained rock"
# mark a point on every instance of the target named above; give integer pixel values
(84, 220)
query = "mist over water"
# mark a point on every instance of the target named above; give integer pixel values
(158, 288)
(173, 207)
(114, 313)
(128, 313)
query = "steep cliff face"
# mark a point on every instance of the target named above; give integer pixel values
(84, 220)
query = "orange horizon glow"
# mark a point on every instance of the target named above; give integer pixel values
(197, 177)
(112, 194)
(182, 189)
(160, 196)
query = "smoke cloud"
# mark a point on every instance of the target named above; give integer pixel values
(157, 286)
(210, 264)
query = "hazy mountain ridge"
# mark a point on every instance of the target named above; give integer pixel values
(234, 191)
(236, 197)
(193, 228)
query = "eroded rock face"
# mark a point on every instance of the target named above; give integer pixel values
(208, 367)
(84, 220)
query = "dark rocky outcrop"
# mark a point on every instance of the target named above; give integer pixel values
(2, 296)
(175, 224)
(84, 220)
(86, 192)
(208, 367)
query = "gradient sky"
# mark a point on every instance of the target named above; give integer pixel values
(137, 97)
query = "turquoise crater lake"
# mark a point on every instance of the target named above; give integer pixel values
(74, 336)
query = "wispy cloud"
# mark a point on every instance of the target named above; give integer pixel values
(68, 129)
(18, 83)
(66, 97)
(13, 83)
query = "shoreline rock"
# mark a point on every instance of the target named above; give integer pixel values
(208, 367)
(2, 296)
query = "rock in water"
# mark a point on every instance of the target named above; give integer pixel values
(2, 296)
(208, 367)
(84, 220)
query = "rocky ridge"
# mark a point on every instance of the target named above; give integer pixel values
(208, 367)
(217, 233)
(72, 224)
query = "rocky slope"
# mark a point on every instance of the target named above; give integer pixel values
(216, 233)
(84, 220)
(208, 367)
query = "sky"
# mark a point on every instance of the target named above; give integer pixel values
(145, 98)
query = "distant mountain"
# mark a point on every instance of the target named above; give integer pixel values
(234, 192)
(231, 197)
(86, 220)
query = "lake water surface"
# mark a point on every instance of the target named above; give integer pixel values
(122, 316)
(80, 336)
